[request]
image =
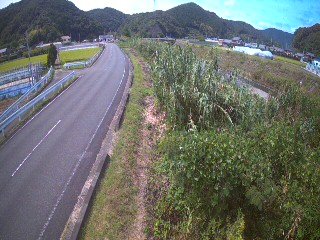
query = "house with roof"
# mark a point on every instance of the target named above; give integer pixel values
(236, 41)
(3, 52)
(262, 47)
(65, 39)
(106, 38)
(289, 52)
(227, 43)
(299, 55)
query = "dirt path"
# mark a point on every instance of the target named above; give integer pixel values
(153, 127)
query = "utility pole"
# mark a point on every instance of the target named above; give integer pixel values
(79, 38)
(27, 38)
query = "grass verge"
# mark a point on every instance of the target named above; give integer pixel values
(113, 207)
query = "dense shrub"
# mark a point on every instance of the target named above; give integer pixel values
(233, 165)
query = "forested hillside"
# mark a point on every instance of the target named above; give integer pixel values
(308, 39)
(278, 36)
(48, 20)
(45, 20)
(110, 19)
(153, 24)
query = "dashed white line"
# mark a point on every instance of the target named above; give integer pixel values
(35, 148)
(78, 163)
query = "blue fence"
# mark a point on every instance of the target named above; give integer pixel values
(27, 94)
(19, 113)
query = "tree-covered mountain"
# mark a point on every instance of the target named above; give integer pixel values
(276, 35)
(152, 24)
(45, 20)
(191, 20)
(110, 19)
(308, 39)
(194, 19)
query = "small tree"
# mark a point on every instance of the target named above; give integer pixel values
(52, 55)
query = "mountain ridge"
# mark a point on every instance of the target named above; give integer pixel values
(48, 20)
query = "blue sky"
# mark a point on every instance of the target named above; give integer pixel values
(286, 15)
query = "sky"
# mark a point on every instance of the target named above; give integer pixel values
(286, 15)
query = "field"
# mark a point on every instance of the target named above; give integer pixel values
(274, 73)
(22, 62)
(78, 55)
(68, 56)
(291, 61)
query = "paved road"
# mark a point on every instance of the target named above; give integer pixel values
(44, 165)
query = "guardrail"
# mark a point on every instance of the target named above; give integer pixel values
(14, 90)
(15, 106)
(31, 104)
(84, 64)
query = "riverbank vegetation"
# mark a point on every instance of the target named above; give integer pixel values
(231, 165)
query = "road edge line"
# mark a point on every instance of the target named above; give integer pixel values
(77, 216)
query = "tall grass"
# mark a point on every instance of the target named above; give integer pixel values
(233, 166)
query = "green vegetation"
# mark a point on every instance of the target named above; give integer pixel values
(231, 165)
(78, 55)
(192, 20)
(278, 36)
(23, 62)
(114, 205)
(308, 39)
(48, 22)
(44, 22)
(67, 56)
(273, 74)
(52, 55)
(111, 19)
(291, 61)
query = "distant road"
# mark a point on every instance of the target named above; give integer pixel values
(44, 165)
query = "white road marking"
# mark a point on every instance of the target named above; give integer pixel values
(35, 148)
(57, 97)
(78, 163)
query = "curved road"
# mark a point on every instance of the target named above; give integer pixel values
(44, 165)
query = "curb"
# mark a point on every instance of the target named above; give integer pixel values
(78, 214)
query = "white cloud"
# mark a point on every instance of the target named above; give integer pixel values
(229, 3)
(264, 25)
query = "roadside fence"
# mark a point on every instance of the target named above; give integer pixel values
(15, 106)
(20, 112)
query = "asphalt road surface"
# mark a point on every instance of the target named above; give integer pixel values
(44, 165)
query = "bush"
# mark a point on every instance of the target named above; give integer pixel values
(36, 52)
(233, 166)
